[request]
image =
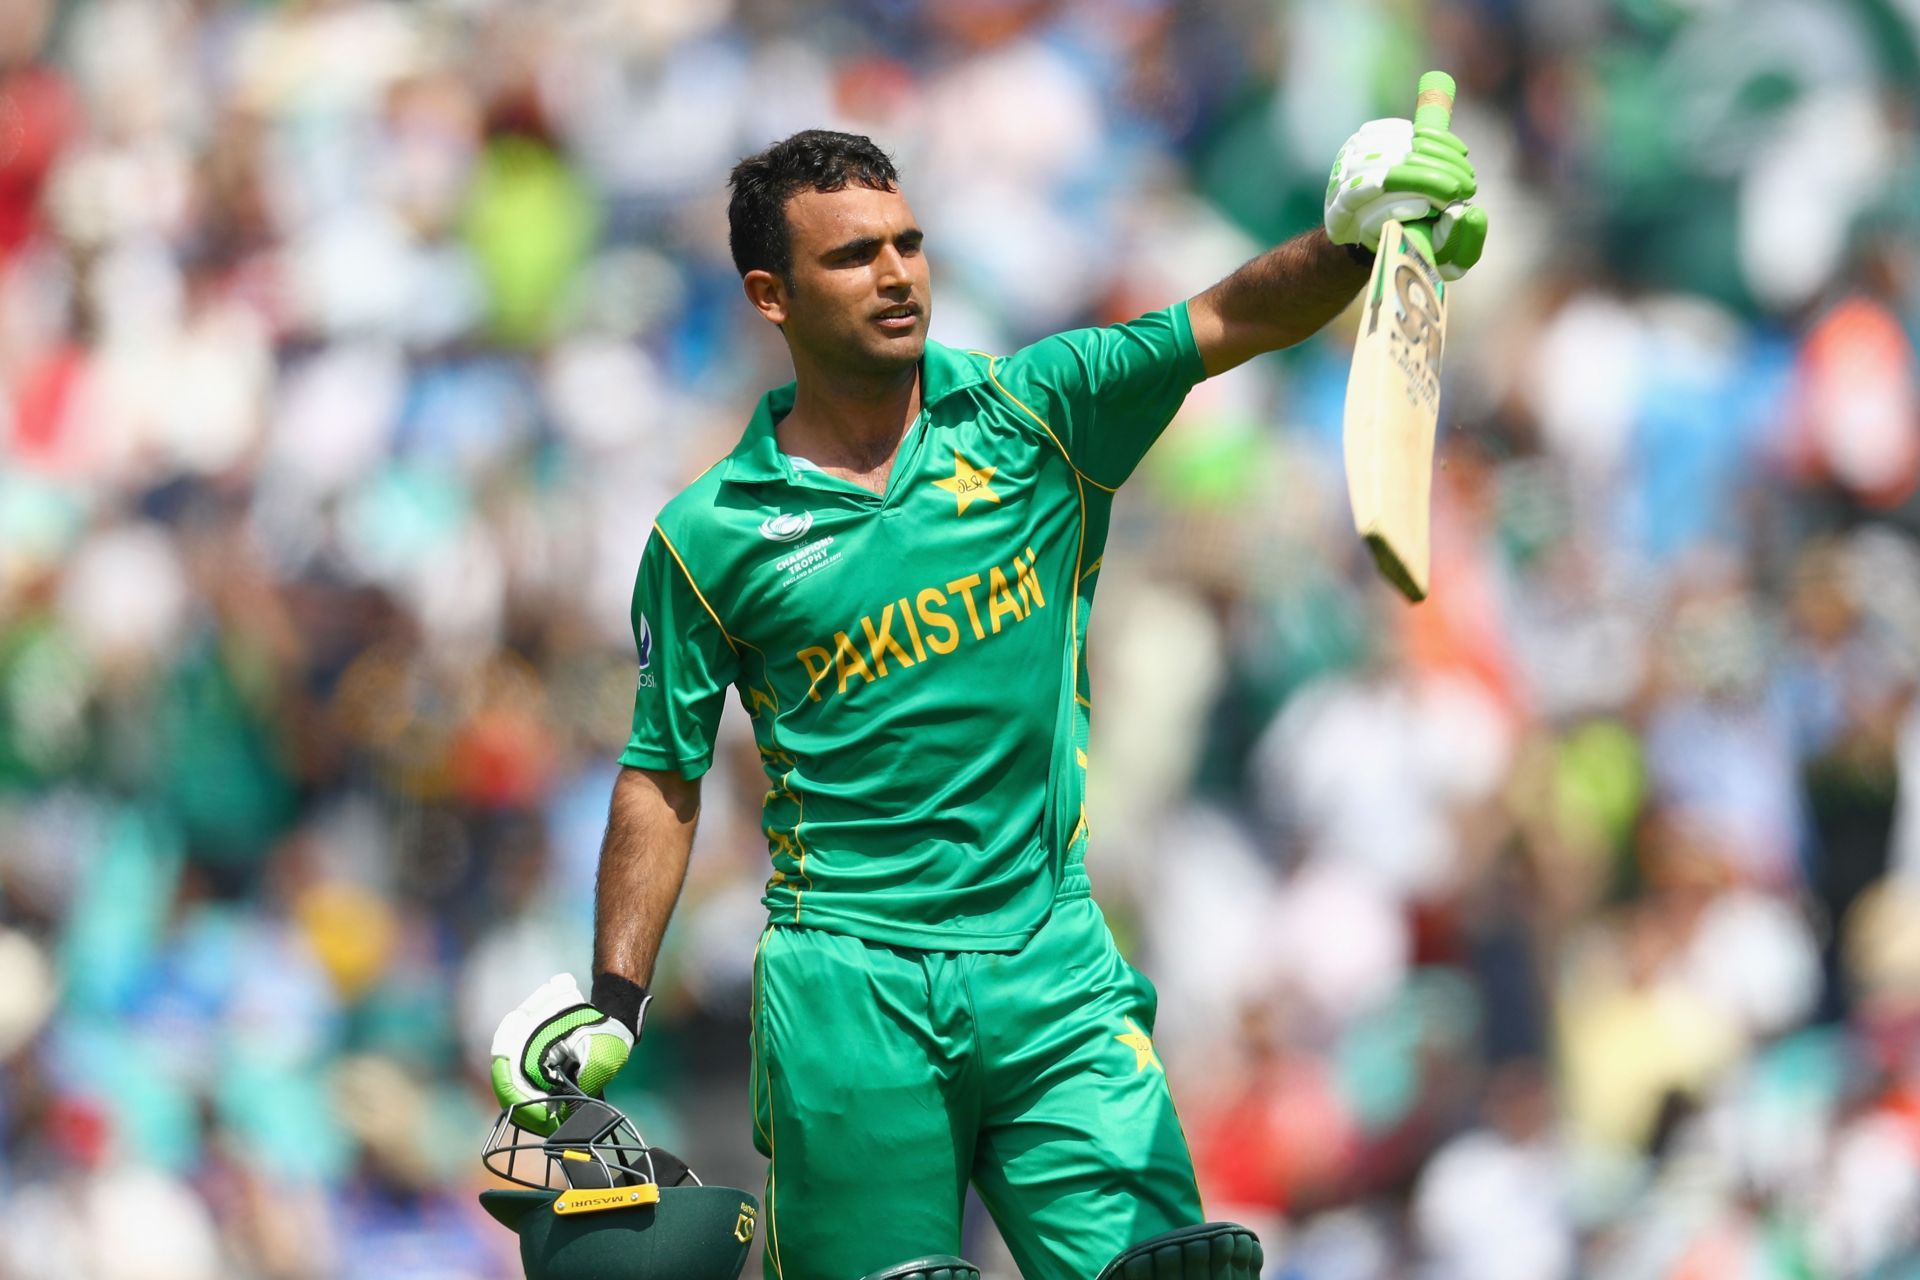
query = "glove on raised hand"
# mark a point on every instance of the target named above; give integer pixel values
(555, 1036)
(1459, 234)
(1391, 170)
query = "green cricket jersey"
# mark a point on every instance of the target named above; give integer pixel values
(913, 662)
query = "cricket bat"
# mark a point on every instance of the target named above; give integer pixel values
(1393, 389)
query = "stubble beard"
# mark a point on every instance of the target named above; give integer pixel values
(860, 354)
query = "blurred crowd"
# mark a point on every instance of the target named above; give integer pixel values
(1566, 924)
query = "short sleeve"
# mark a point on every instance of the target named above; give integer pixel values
(1107, 393)
(686, 664)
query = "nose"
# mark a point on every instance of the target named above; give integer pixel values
(892, 266)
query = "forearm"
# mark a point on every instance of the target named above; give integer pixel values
(1274, 301)
(643, 863)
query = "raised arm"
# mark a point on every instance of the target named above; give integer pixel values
(1282, 296)
(1388, 169)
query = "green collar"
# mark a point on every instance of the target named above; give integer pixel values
(757, 458)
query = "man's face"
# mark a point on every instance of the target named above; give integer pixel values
(861, 294)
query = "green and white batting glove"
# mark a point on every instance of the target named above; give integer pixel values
(1391, 170)
(556, 1039)
(1459, 235)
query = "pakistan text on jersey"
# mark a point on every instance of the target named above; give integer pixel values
(931, 624)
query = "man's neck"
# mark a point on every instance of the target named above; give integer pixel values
(850, 425)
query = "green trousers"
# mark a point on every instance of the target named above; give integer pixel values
(886, 1078)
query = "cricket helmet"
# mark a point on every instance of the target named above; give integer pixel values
(597, 1201)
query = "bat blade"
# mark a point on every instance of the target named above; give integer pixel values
(1393, 406)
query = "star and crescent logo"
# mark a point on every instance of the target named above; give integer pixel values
(1142, 1046)
(969, 484)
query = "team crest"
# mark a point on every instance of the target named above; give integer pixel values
(968, 484)
(789, 527)
(1142, 1046)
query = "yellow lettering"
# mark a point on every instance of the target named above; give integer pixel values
(884, 639)
(815, 674)
(963, 587)
(1029, 583)
(842, 650)
(931, 615)
(999, 599)
(913, 632)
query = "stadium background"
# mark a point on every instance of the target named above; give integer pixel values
(1567, 924)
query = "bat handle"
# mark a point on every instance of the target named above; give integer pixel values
(1432, 109)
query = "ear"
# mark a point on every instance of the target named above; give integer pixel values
(768, 293)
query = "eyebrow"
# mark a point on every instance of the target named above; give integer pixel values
(864, 243)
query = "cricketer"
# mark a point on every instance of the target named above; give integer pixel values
(895, 569)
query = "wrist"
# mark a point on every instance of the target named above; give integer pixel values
(622, 1000)
(1362, 256)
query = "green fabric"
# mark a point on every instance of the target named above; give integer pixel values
(885, 1078)
(913, 662)
(221, 767)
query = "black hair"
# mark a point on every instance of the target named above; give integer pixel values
(811, 160)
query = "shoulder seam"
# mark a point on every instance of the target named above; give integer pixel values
(992, 377)
(699, 595)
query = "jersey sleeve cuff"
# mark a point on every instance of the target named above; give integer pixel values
(1192, 364)
(690, 768)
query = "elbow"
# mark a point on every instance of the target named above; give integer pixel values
(679, 795)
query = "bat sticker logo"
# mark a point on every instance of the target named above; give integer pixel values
(1419, 327)
(1419, 312)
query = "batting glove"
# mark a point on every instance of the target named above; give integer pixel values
(554, 1039)
(1459, 234)
(1390, 170)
